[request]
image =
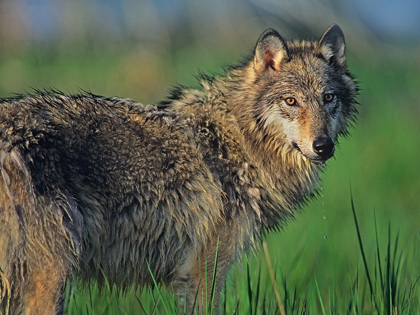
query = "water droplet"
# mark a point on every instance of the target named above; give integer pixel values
(323, 209)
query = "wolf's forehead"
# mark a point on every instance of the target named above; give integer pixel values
(300, 44)
(308, 73)
(304, 55)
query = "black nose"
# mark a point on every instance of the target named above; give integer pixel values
(324, 147)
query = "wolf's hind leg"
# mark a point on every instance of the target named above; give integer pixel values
(39, 240)
(44, 291)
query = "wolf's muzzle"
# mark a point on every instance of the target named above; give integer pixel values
(324, 147)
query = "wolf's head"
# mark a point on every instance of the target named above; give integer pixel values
(302, 93)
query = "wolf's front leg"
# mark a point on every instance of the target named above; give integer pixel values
(196, 284)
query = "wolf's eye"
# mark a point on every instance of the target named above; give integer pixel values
(329, 97)
(291, 101)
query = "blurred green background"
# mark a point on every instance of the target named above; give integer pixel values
(139, 49)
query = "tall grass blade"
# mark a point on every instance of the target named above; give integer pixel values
(90, 297)
(362, 251)
(273, 279)
(378, 253)
(213, 280)
(141, 305)
(388, 301)
(257, 290)
(334, 300)
(225, 298)
(320, 297)
(195, 298)
(249, 288)
(157, 288)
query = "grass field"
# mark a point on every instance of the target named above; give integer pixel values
(317, 259)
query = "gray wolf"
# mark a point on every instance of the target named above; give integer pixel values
(94, 187)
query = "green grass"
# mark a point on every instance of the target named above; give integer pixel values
(320, 265)
(384, 283)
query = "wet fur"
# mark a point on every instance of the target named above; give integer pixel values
(93, 186)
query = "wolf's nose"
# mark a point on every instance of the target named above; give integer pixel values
(324, 147)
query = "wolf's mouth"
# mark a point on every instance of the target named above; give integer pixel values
(315, 160)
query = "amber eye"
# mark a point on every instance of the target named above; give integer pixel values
(291, 101)
(329, 97)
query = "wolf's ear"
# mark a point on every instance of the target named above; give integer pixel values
(270, 50)
(333, 46)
